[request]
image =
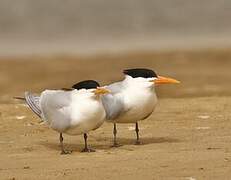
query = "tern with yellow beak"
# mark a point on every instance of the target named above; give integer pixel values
(133, 99)
(72, 111)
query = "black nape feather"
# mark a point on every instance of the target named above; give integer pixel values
(87, 84)
(140, 72)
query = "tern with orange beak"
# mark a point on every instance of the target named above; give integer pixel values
(72, 111)
(133, 99)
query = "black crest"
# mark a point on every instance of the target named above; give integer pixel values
(140, 72)
(88, 84)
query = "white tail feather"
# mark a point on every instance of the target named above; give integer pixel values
(33, 103)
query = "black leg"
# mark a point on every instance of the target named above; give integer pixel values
(137, 134)
(61, 145)
(86, 149)
(115, 144)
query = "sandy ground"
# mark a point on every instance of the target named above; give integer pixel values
(187, 137)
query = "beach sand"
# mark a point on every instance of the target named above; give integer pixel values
(187, 137)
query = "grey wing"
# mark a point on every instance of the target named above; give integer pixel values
(113, 102)
(115, 87)
(33, 103)
(55, 99)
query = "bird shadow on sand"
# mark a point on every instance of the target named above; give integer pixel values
(147, 140)
(75, 147)
(106, 143)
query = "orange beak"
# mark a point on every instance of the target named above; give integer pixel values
(165, 80)
(101, 90)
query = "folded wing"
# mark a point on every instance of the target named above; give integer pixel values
(113, 102)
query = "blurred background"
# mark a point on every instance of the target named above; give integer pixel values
(85, 26)
(51, 44)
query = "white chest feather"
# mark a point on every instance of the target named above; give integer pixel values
(138, 105)
(84, 119)
(72, 113)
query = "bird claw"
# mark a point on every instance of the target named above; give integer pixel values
(64, 152)
(88, 150)
(138, 143)
(115, 145)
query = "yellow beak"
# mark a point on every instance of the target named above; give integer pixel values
(165, 80)
(101, 90)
